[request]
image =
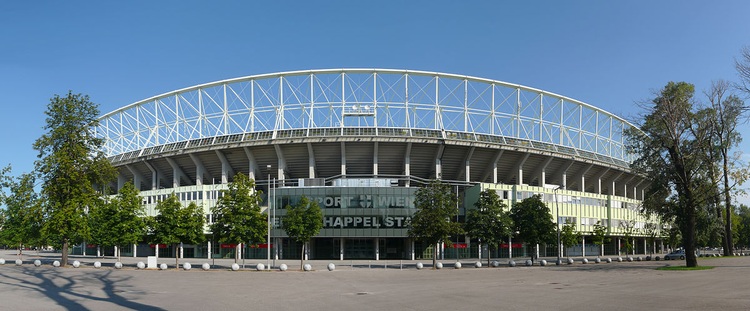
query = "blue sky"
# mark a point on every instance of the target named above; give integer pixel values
(606, 53)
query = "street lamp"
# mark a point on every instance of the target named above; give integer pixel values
(268, 220)
(557, 223)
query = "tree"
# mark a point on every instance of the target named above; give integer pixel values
(175, 224)
(628, 228)
(433, 222)
(302, 222)
(120, 221)
(70, 163)
(743, 228)
(742, 65)
(669, 149)
(238, 218)
(725, 114)
(490, 223)
(22, 217)
(599, 236)
(533, 221)
(568, 235)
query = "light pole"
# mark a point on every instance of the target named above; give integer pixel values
(268, 220)
(557, 222)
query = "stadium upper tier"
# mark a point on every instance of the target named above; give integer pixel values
(365, 102)
(375, 122)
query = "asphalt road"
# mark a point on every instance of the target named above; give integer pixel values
(614, 286)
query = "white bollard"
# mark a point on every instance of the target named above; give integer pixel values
(235, 267)
(420, 266)
(542, 262)
(307, 267)
(457, 265)
(140, 265)
(477, 264)
(511, 263)
(37, 262)
(331, 267)
(187, 266)
(206, 266)
(118, 265)
(2, 261)
(97, 264)
(283, 267)
(439, 265)
(163, 266)
(260, 267)
(76, 264)
(55, 263)
(19, 262)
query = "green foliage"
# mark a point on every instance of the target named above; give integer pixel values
(490, 223)
(533, 221)
(238, 215)
(70, 162)
(175, 224)
(568, 235)
(434, 220)
(671, 152)
(22, 217)
(600, 234)
(627, 243)
(302, 222)
(683, 268)
(119, 222)
(743, 226)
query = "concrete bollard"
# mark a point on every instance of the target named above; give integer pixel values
(638, 258)
(97, 264)
(37, 262)
(76, 264)
(2, 261)
(187, 266)
(542, 262)
(163, 266)
(235, 267)
(630, 259)
(558, 262)
(495, 263)
(570, 261)
(55, 263)
(260, 267)
(597, 260)
(283, 267)
(529, 263)
(118, 265)
(205, 266)
(619, 259)
(511, 263)
(140, 265)
(19, 262)
(609, 260)
(307, 267)
(331, 267)
(584, 261)
(457, 265)
(420, 266)
(439, 265)
(477, 264)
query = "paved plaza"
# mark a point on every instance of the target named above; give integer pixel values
(370, 285)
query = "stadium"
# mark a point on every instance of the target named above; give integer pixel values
(360, 142)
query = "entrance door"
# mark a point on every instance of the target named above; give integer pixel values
(359, 249)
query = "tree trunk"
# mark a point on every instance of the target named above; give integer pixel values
(64, 250)
(302, 258)
(434, 256)
(20, 249)
(176, 256)
(729, 246)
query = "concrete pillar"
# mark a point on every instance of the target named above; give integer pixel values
(341, 248)
(619, 247)
(583, 245)
(135, 250)
(412, 251)
(377, 248)
(208, 253)
(181, 250)
(98, 251)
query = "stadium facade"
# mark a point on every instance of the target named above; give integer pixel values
(361, 141)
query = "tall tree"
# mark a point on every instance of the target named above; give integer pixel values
(569, 236)
(192, 222)
(599, 236)
(238, 216)
(23, 213)
(742, 64)
(533, 221)
(70, 163)
(121, 221)
(433, 222)
(173, 225)
(489, 222)
(302, 222)
(726, 112)
(669, 148)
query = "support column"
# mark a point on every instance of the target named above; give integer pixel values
(135, 250)
(583, 246)
(208, 253)
(377, 248)
(341, 248)
(619, 247)
(412, 249)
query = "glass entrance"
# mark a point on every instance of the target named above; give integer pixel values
(359, 249)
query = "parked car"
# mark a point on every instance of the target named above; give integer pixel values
(680, 254)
